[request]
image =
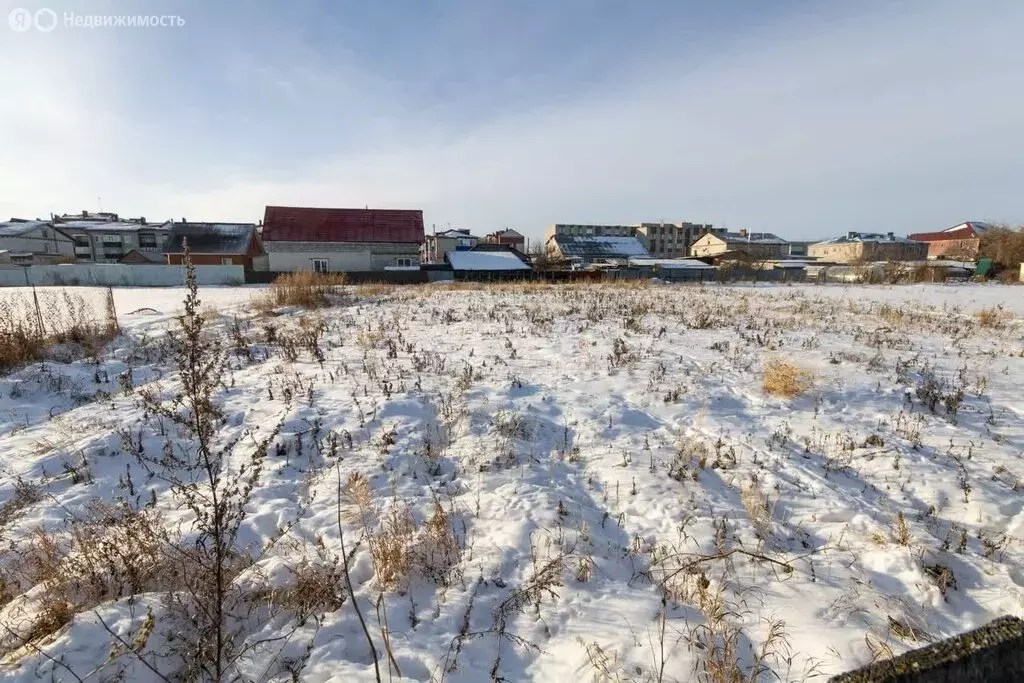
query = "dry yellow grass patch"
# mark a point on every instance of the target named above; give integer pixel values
(782, 378)
(304, 288)
(993, 317)
(375, 289)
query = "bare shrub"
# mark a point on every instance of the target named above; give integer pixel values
(782, 378)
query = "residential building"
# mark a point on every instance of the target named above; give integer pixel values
(214, 244)
(509, 237)
(587, 250)
(35, 242)
(868, 246)
(340, 240)
(104, 238)
(663, 240)
(671, 240)
(960, 243)
(744, 244)
(584, 230)
(435, 246)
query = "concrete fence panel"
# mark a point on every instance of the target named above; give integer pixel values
(118, 275)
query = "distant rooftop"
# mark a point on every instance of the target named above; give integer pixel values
(485, 260)
(752, 237)
(210, 238)
(15, 228)
(109, 226)
(595, 247)
(852, 237)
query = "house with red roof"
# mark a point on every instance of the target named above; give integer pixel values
(341, 240)
(959, 243)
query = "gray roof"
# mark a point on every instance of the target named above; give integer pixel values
(109, 226)
(853, 237)
(210, 238)
(17, 228)
(751, 237)
(595, 247)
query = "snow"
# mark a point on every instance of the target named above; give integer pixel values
(485, 260)
(609, 432)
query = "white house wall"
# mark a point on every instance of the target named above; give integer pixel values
(341, 256)
(282, 262)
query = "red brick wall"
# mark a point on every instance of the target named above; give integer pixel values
(954, 248)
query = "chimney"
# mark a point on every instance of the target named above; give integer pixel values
(142, 220)
(743, 232)
(890, 236)
(851, 235)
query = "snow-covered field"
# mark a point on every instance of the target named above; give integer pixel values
(534, 483)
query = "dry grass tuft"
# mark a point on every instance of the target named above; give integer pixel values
(305, 288)
(391, 548)
(759, 507)
(995, 317)
(782, 378)
(375, 289)
(33, 324)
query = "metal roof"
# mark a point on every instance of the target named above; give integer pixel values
(964, 231)
(592, 246)
(852, 237)
(300, 224)
(210, 238)
(16, 228)
(750, 237)
(484, 260)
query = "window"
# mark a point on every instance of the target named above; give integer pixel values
(226, 261)
(321, 265)
(147, 240)
(82, 241)
(405, 262)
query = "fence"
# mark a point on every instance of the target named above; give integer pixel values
(118, 275)
(990, 654)
(393, 277)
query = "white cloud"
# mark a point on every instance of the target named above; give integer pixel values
(907, 115)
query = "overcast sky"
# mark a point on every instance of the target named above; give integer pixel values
(802, 117)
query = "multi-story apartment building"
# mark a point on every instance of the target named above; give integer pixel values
(104, 238)
(662, 240)
(584, 230)
(671, 240)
